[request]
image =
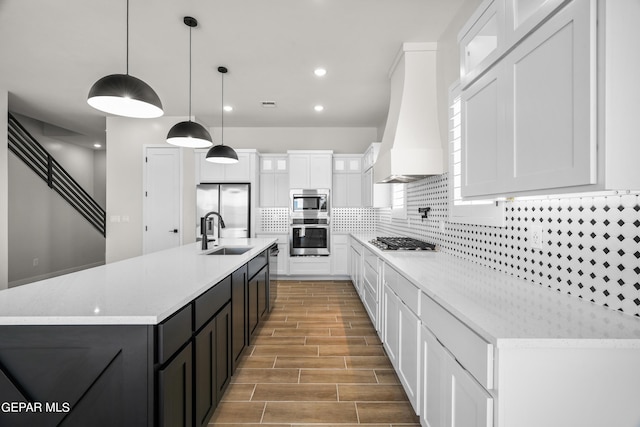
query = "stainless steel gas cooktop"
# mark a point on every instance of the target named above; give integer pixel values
(402, 244)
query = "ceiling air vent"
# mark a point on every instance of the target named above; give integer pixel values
(268, 104)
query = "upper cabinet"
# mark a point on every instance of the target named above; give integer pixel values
(274, 180)
(552, 114)
(310, 169)
(347, 181)
(243, 171)
(481, 40)
(373, 195)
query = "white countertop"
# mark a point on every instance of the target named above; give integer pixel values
(507, 311)
(141, 290)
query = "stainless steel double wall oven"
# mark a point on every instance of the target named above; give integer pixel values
(309, 230)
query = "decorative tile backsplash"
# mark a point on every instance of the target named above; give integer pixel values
(591, 244)
(353, 220)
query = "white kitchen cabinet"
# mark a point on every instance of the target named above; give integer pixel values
(373, 195)
(401, 331)
(521, 16)
(309, 265)
(355, 264)
(390, 339)
(450, 396)
(347, 181)
(243, 171)
(528, 123)
(274, 180)
(340, 255)
(310, 169)
(481, 40)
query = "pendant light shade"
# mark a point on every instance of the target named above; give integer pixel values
(188, 133)
(222, 153)
(125, 95)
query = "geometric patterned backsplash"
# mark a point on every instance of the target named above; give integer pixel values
(591, 245)
(343, 220)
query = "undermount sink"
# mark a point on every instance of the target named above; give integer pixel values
(230, 250)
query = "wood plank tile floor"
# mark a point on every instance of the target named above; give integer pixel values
(316, 359)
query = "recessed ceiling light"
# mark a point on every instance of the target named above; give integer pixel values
(228, 108)
(97, 145)
(320, 72)
(318, 108)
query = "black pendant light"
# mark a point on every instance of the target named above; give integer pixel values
(125, 95)
(222, 153)
(188, 133)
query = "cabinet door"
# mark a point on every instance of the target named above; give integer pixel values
(281, 191)
(205, 373)
(471, 405)
(521, 16)
(367, 188)
(239, 334)
(209, 172)
(299, 171)
(267, 190)
(435, 389)
(241, 171)
(409, 353)
(263, 296)
(482, 42)
(252, 305)
(390, 324)
(550, 103)
(175, 392)
(483, 143)
(340, 191)
(223, 366)
(340, 259)
(354, 190)
(319, 171)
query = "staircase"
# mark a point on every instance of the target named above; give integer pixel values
(26, 148)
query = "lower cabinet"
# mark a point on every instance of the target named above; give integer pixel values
(175, 393)
(390, 327)
(239, 323)
(257, 301)
(450, 397)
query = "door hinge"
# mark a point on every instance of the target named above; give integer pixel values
(146, 159)
(146, 194)
(146, 228)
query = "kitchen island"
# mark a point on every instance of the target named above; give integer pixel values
(120, 344)
(484, 348)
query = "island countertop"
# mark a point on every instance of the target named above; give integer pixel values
(141, 290)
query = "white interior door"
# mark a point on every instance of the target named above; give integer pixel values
(162, 199)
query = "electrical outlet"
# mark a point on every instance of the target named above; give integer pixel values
(442, 229)
(36, 261)
(535, 236)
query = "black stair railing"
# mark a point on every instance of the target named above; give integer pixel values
(27, 149)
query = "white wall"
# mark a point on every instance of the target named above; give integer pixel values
(100, 177)
(342, 140)
(44, 227)
(125, 141)
(4, 192)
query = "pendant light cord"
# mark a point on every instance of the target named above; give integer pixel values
(190, 28)
(127, 37)
(222, 112)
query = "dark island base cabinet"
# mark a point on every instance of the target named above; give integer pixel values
(94, 375)
(170, 374)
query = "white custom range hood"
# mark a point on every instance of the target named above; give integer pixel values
(411, 148)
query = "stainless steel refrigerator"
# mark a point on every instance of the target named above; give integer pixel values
(231, 201)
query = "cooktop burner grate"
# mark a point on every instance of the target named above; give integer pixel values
(402, 243)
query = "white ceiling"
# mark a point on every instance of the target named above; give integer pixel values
(53, 51)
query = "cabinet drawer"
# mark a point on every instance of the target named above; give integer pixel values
(211, 302)
(371, 276)
(471, 350)
(173, 333)
(408, 292)
(371, 259)
(256, 264)
(370, 301)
